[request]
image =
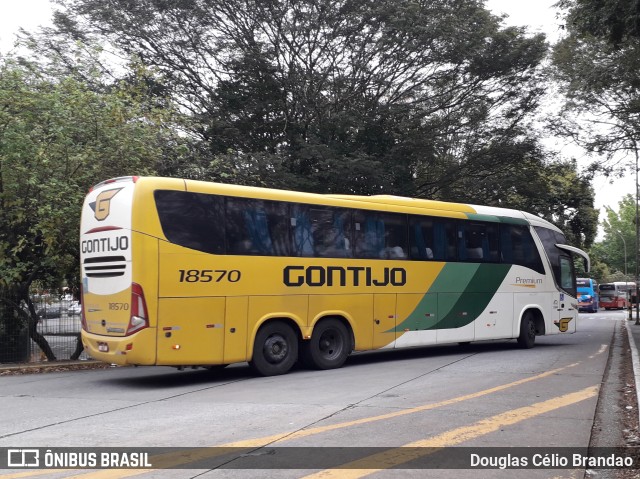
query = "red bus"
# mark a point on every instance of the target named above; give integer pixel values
(616, 295)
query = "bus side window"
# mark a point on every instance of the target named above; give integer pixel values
(302, 234)
(445, 241)
(369, 235)
(331, 228)
(470, 240)
(242, 235)
(491, 244)
(342, 233)
(567, 273)
(192, 220)
(321, 231)
(257, 227)
(474, 248)
(421, 236)
(479, 242)
(380, 235)
(395, 237)
(517, 247)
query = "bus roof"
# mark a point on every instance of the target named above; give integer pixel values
(487, 213)
(381, 202)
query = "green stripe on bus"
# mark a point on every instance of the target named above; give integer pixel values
(468, 306)
(452, 277)
(457, 297)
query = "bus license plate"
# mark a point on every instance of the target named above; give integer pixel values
(103, 347)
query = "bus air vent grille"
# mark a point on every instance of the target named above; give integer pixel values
(105, 266)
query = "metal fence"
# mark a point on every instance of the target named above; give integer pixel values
(58, 322)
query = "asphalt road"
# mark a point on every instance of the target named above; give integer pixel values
(484, 395)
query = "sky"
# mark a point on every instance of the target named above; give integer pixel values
(537, 15)
(28, 14)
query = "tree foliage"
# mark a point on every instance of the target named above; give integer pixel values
(418, 98)
(355, 96)
(615, 21)
(618, 245)
(598, 63)
(57, 138)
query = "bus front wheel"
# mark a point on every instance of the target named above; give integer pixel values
(328, 347)
(527, 336)
(275, 350)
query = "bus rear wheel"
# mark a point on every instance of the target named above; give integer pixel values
(328, 347)
(275, 350)
(527, 336)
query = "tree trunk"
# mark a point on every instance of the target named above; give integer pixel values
(14, 314)
(79, 348)
(38, 338)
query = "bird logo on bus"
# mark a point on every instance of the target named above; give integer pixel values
(563, 324)
(102, 206)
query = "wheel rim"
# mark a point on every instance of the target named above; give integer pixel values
(330, 344)
(275, 348)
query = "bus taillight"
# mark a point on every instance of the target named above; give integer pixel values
(114, 180)
(139, 317)
(83, 317)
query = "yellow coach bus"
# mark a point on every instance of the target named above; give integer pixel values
(188, 273)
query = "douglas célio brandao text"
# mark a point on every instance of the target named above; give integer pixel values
(550, 461)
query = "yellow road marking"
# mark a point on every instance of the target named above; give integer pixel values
(408, 452)
(178, 458)
(39, 472)
(173, 459)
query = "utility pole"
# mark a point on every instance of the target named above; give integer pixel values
(637, 241)
(624, 243)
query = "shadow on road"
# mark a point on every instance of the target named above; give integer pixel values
(152, 377)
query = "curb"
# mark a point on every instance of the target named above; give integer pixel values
(45, 366)
(635, 359)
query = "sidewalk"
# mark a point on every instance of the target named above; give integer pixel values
(8, 369)
(633, 330)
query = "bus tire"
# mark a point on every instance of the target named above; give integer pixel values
(275, 350)
(329, 346)
(527, 337)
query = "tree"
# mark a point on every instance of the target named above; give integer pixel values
(598, 63)
(426, 99)
(615, 21)
(57, 138)
(351, 96)
(619, 235)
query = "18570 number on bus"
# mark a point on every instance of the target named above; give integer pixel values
(209, 275)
